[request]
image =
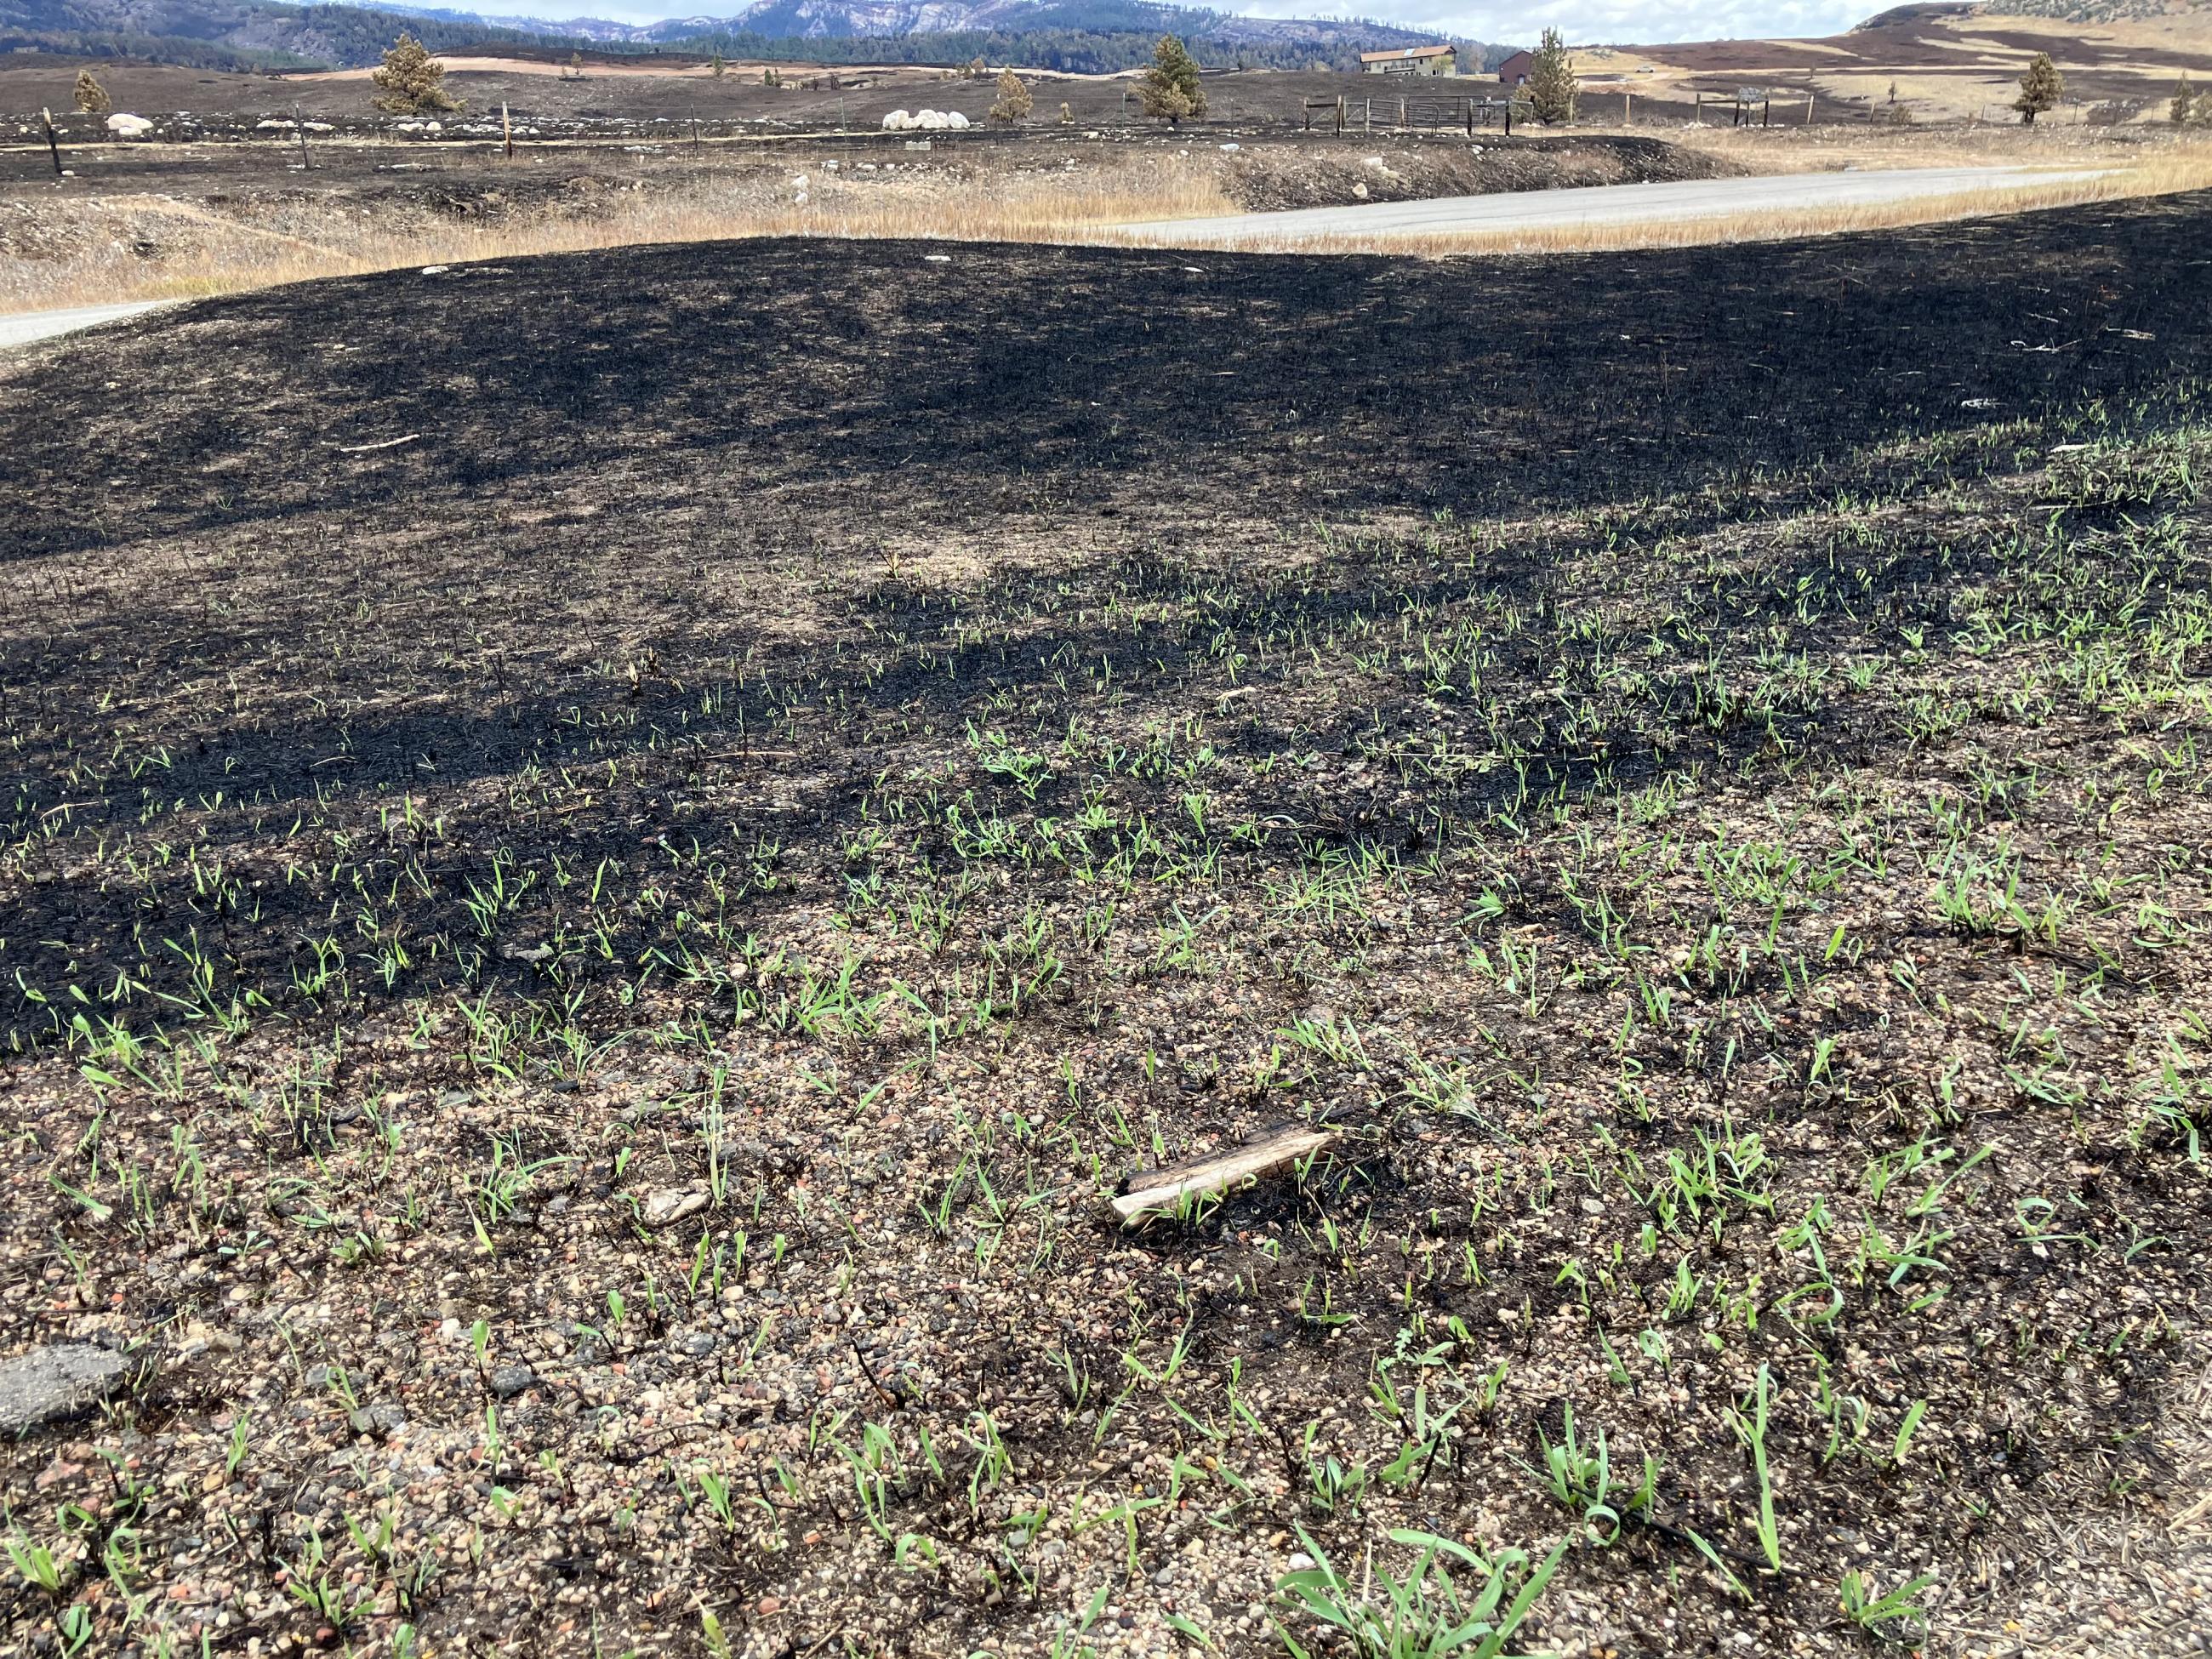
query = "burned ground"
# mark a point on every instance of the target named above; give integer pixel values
(680, 818)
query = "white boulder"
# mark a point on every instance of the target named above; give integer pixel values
(128, 126)
(955, 120)
(898, 121)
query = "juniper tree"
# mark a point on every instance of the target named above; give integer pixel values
(410, 81)
(1551, 80)
(716, 67)
(1014, 101)
(1171, 88)
(2189, 108)
(91, 97)
(2040, 87)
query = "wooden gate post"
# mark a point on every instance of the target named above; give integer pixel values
(1766, 110)
(1698, 111)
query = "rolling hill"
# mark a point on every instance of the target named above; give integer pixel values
(1076, 34)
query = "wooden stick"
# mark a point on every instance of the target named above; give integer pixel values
(1164, 1191)
(300, 127)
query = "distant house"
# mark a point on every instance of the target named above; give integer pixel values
(1513, 71)
(1411, 60)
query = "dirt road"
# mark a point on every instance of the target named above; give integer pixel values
(24, 326)
(1604, 205)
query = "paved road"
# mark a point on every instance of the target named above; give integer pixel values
(25, 326)
(1599, 204)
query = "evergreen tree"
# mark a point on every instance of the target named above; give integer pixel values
(1551, 80)
(2040, 87)
(1171, 90)
(412, 83)
(1014, 102)
(91, 97)
(716, 67)
(2186, 108)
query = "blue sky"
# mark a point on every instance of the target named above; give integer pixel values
(1626, 20)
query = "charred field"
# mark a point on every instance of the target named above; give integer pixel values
(610, 859)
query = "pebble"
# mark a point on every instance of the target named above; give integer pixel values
(508, 1380)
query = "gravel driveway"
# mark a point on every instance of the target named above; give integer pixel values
(24, 326)
(1697, 199)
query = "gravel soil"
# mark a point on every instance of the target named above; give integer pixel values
(609, 860)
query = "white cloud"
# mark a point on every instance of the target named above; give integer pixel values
(1606, 21)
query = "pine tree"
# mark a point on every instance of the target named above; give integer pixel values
(1551, 80)
(1171, 90)
(412, 83)
(91, 97)
(1066, 116)
(2040, 87)
(1014, 100)
(2183, 110)
(716, 67)
(575, 65)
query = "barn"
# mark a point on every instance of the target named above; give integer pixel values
(1411, 60)
(1513, 71)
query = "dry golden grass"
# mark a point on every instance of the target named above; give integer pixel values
(215, 255)
(212, 254)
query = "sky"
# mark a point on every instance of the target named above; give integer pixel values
(1643, 22)
(1650, 22)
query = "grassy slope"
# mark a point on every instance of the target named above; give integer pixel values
(712, 852)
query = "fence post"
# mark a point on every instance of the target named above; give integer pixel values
(1698, 111)
(1627, 109)
(1370, 115)
(1508, 117)
(300, 127)
(53, 145)
(1340, 114)
(1766, 110)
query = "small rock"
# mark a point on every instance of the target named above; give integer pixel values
(1593, 1206)
(55, 1381)
(508, 1380)
(663, 1208)
(1360, 191)
(1301, 1562)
